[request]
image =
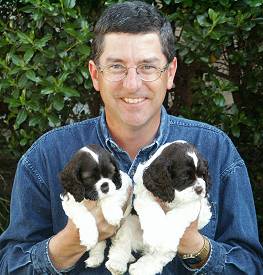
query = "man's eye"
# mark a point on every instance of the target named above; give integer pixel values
(148, 67)
(116, 67)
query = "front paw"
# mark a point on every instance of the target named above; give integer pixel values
(88, 238)
(114, 217)
(116, 267)
(137, 269)
(94, 261)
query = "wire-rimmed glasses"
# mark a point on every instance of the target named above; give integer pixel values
(117, 72)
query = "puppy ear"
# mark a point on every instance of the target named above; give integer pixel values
(207, 177)
(117, 176)
(157, 180)
(70, 179)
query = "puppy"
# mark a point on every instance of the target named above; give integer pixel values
(92, 174)
(176, 177)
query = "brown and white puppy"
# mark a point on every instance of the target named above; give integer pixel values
(175, 177)
(93, 174)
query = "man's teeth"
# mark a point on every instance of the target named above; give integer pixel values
(133, 100)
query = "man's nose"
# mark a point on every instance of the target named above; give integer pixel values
(132, 81)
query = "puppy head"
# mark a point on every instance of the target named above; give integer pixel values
(91, 174)
(178, 173)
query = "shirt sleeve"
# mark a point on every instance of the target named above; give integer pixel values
(236, 248)
(24, 245)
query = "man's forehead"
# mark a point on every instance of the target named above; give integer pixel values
(119, 46)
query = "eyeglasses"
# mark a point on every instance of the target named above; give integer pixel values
(146, 72)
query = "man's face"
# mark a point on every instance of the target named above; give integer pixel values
(132, 102)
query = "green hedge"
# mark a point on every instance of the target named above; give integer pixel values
(44, 79)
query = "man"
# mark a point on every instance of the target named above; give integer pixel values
(132, 68)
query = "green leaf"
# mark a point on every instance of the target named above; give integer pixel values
(202, 20)
(47, 91)
(69, 92)
(32, 76)
(28, 55)
(22, 82)
(53, 120)
(83, 50)
(58, 103)
(260, 48)
(23, 141)
(213, 15)
(63, 77)
(34, 104)
(41, 43)
(69, 4)
(85, 72)
(219, 100)
(17, 60)
(23, 38)
(21, 117)
(254, 3)
(34, 121)
(235, 130)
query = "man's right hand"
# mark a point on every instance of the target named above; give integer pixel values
(65, 248)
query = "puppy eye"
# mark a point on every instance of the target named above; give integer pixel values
(86, 175)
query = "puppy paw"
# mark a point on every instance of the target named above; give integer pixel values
(95, 261)
(114, 217)
(116, 267)
(135, 269)
(141, 268)
(88, 239)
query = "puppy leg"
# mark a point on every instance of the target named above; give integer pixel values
(126, 238)
(152, 219)
(177, 221)
(205, 213)
(83, 220)
(151, 264)
(112, 210)
(96, 255)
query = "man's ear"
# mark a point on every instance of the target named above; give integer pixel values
(94, 75)
(171, 73)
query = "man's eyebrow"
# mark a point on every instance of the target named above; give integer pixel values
(114, 59)
(150, 60)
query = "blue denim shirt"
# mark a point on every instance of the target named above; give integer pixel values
(37, 214)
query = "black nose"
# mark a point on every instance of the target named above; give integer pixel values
(198, 190)
(104, 187)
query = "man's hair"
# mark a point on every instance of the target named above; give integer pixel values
(133, 17)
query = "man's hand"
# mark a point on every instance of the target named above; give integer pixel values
(105, 230)
(65, 248)
(192, 241)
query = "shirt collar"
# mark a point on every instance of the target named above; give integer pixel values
(107, 140)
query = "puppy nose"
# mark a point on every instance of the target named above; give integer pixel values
(198, 189)
(104, 187)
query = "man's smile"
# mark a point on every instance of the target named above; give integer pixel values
(133, 100)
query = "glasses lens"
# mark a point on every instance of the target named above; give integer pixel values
(114, 72)
(148, 72)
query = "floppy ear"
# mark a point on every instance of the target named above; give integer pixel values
(70, 179)
(207, 177)
(157, 179)
(117, 176)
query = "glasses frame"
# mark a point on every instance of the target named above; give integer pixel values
(161, 70)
